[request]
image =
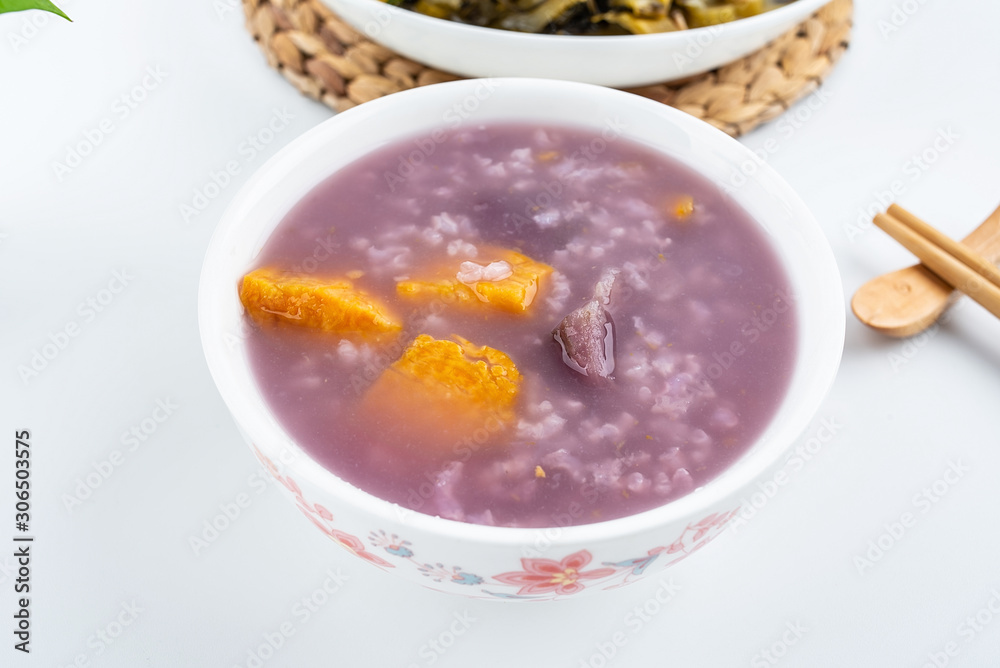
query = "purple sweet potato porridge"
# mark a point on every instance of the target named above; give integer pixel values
(650, 323)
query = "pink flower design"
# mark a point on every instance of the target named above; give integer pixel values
(319, 516)
(548, 575)
(353, 544)
(323, 512)
(699, 533)
(268, 464)
(346, 540)
(707, 524)
(540, 578)
(285, 482)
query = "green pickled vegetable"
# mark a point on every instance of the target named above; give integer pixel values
(647, 9)
(591, 17)
(749, 8)
(550, 11)
(637, 25)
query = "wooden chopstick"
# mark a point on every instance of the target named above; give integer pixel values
(975, 261)
(957, 264)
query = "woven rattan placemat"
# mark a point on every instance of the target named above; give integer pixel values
(328, 61)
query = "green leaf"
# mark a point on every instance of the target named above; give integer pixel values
(21, 5)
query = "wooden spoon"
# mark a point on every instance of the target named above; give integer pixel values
(908, 301)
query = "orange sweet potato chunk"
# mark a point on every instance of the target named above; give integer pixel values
(271, 295)
(441, 393)
(513, 294)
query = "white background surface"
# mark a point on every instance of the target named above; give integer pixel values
(906, 411)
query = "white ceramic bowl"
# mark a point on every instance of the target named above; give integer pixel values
(620, 61)
(499, 562)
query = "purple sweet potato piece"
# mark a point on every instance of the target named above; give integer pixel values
(587, 339)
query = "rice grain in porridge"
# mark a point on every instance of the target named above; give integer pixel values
(520, 329)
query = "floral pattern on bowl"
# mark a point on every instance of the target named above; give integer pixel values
(538, 578)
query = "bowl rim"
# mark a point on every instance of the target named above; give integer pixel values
(724, 487)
